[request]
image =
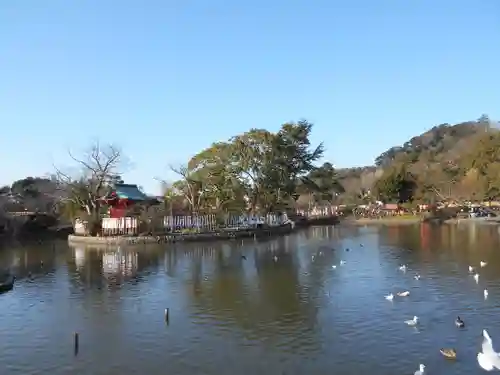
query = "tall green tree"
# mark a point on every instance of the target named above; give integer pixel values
(222, 189)
(259, 170)
(322, 184)
(271, 164)
(295, 154)
(396, 185)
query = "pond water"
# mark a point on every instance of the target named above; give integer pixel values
(234, 309)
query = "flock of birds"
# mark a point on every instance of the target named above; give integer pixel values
(487, 359)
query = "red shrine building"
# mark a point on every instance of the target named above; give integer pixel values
(123, 197)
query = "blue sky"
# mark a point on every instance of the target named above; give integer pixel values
(164, 79)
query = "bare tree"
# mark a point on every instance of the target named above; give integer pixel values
(189, 186)
(97, 169)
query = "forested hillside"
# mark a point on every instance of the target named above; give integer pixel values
(457, 162)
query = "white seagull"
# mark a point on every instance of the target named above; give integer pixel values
(420, 370)
(389, 297)
(488, 359)
(476, 277)
(483, 264)
(412, 322)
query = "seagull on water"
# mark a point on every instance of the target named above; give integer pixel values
(488, 359)
(420, 370)
(334, 266)
(389, 297)
(471, 269)
(404, 294)
(416, 277)
(403, 267)
(342, 262)
(485, 293)
(483, 264)
(412, 322)
(459, 322)
(476, 277)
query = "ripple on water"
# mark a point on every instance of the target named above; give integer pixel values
(295, 316)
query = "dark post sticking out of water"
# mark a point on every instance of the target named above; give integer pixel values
(76, 342)
(167, 315)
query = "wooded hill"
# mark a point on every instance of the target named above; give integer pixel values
(457, 162)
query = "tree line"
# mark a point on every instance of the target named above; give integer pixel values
(258, 171)
(261, 171)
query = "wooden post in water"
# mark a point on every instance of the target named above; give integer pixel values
(167, 315)
(77, 343)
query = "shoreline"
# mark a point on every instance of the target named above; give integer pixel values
(223, 235)
(480, 221)
(388, 221)
(181, 237)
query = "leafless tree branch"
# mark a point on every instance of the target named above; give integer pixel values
(192, 191)
(98, 167)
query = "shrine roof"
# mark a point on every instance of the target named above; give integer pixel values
(129, 191)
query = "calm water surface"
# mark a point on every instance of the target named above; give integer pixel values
(230, 315)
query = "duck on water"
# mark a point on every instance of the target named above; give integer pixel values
(459, 322)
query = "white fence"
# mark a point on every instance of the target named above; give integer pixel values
(129, 225)
(324, 211)
(176, 223)
(119, 226)
(209, 222)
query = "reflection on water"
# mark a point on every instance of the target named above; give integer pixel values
(79, 257)
(122, 263)
(235, 309)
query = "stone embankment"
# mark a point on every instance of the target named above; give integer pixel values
(181, 237)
